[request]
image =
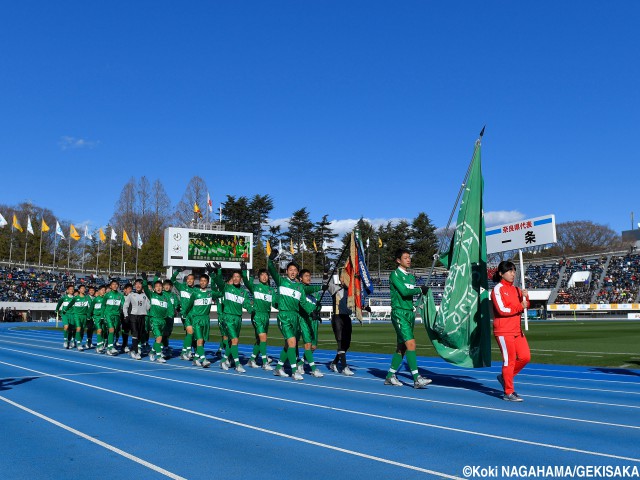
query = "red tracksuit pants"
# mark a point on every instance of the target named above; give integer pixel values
(515, 355)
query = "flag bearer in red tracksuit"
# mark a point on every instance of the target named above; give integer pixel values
(508, 303)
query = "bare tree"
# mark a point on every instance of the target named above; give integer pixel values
(160, 206)
(145, 220)
(196, 192)
(125, 212)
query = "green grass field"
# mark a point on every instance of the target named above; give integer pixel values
(590, 343)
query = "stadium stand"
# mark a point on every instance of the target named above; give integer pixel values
(581, 292)
(542, 275)
(621, 280)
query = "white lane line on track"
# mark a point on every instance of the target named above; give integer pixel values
(311, 385)
(100, 443)
(351, 452)
(250, 427)
(370, 360)
(327, 387)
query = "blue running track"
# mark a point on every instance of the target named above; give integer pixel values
(69, 414)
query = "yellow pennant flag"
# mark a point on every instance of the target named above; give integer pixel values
(315, 247)
(73, 233)
(268, 248)
(125, 237)
(379, 243)
(103, 237)
(44, 227)
(291, 246)
(196, 210)
(16, 224)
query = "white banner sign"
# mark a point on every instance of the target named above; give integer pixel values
(533, 232)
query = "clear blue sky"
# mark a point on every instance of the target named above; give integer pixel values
(375, 104)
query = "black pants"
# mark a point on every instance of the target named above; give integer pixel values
(90, 328)
(341, 325)
(137, 324)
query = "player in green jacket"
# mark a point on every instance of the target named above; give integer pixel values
(403, 317)
(172, 311)
(263, 299)
(97, 313)
(79, 307)
(63, 302)
(113, 303)
(290, 294)
(185, 290)
(91, 290)
(309, 318)
(198, 310)
(234, 299)
(157, 314)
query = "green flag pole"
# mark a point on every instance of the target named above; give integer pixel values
(455, 206)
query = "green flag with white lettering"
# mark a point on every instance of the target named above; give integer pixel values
(460, 331)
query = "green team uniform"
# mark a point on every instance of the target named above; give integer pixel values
(290, 294)
(308, 326)
(198, 309)
(185, 295)
(63, 303)
(263, 299)
(97, 313)
(234, 299)
(159, 305)
(79, 307)
(174, 303)
(113, 303)
(403, 289)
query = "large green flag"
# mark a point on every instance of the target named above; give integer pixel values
(460, 330)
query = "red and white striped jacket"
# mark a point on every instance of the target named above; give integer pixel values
(507, 307)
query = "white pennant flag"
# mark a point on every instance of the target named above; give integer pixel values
(3, 221)
(113, 234)
(59, 230)
(280, 246)
(86, 233)
(324, 245)
(139, 242)
(303, 246)
(29, 226)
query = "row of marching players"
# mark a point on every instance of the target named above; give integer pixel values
(145, 311)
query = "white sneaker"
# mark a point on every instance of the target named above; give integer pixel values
(89, 345)
(127, 349)
(252, 363)
(347, 371)
(65, 344)
(160, 359)
(421, 382)
(152, 356)
(225, 365)
(112, 352)
(196, 362)
(317, 373)
(205, 363)
(80, 348)
(118, 344)
(279, 372)
(334, 368)
(300, 369)
(393, 380)
(296, 376)
(190, 355)
(267, 367)
(240, 368)
(269, 360)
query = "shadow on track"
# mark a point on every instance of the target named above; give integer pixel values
(9, 383)
(616, 371)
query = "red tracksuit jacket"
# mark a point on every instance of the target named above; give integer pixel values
(507, 307)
